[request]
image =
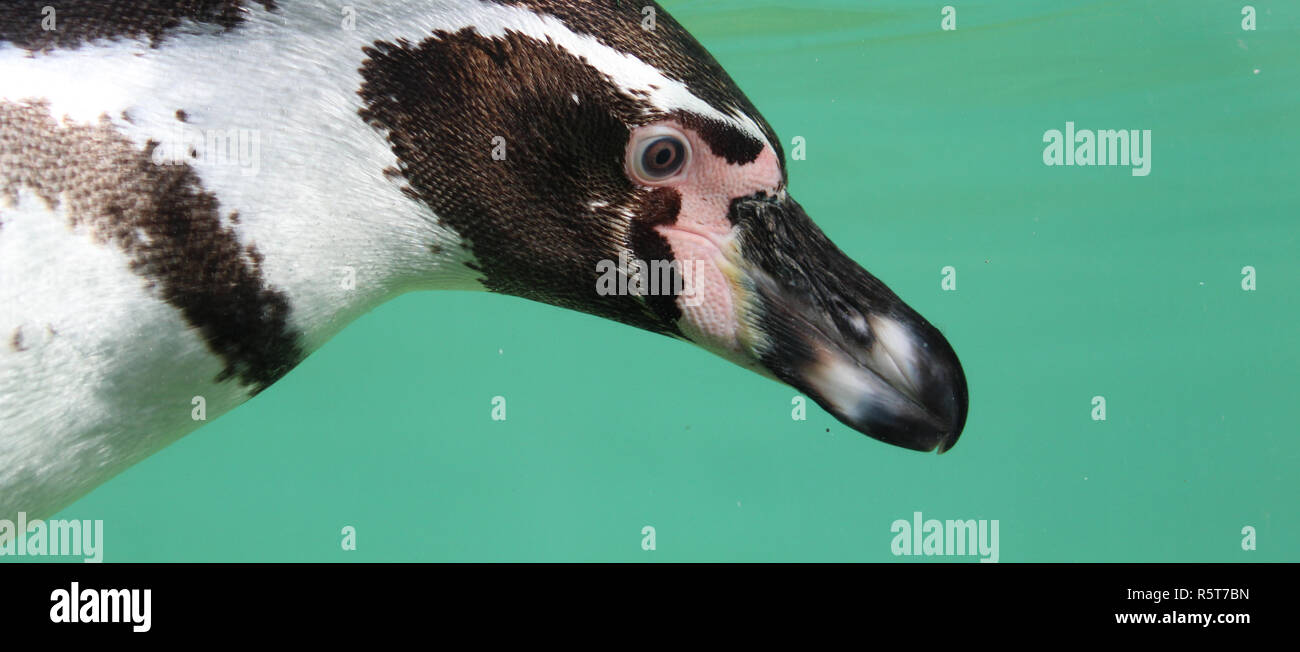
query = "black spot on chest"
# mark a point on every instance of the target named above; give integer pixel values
(16, 342)
(44, 25)
(518, 145)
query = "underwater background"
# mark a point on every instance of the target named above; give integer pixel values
(924, 150)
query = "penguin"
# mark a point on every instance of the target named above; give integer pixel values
(196, 195)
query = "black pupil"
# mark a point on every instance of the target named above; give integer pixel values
(663, 156)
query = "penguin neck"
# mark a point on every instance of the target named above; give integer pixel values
(339, 267)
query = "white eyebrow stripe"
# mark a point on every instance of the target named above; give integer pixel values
(627, 71)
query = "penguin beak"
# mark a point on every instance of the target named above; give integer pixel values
(811, 317)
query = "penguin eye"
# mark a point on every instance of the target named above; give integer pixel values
(659, 156)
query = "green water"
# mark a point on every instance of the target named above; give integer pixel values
(924, 150)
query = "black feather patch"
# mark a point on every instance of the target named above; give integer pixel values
(624, 26)
(167, 224)
(519, 146)
(44, 25)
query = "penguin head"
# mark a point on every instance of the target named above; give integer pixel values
(595, 161)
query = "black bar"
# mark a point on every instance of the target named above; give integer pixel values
(349, 599)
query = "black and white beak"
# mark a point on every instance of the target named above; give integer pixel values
(811, 317)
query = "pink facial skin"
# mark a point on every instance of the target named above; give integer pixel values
(702, 235)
